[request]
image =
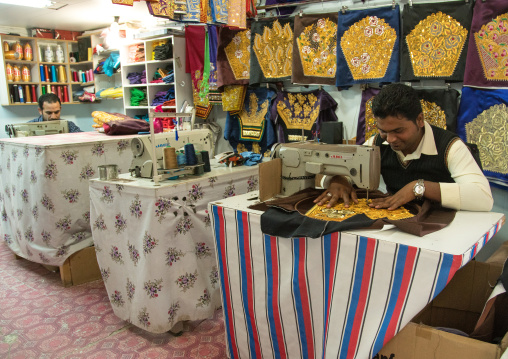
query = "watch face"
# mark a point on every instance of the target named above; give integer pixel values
(419, 190)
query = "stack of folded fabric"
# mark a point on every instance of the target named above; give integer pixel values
(138, 97)
(137, 77)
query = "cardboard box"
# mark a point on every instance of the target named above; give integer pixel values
(43, 33)
(458, 306)
(67, 35)
(81, 267)
(499, 256)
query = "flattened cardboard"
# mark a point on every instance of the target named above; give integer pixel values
(500, 255)
(270, 173)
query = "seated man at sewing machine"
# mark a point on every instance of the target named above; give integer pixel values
(49, 110)
(418, 160)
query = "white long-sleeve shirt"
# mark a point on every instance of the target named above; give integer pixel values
(471, 190)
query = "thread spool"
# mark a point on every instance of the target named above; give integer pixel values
(61, 74)
(170, 161)
(180, 157)
(200, 169)
(43, 76)
(190, 154)
(206, 160)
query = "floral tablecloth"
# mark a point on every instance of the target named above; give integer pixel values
(44, 200)
(155, 246)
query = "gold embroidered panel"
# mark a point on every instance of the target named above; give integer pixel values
(492, 45)
(123, 2)
(489, 131)
(435, 45)
(302, 112)
(196, 85)
(370, 121)
(254, 116)
(237, 16)
(317, 45)
(238, 55)
(274, 50)
(163, 8)
(233, 97)
(340, 213)
(193, 11)
(367, 46)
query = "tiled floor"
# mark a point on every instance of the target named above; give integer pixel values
(39, 318)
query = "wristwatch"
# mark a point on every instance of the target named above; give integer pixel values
(419, 189)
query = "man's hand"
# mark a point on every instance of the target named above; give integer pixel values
(403, 196)
(339, 188)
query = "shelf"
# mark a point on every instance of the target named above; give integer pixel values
(22, 83)
(162, 84)
(135, 85)
(53, 63)
(22, 62)
(166, 61)
(55, 83)
(81, 63)
(138, 107)
(139, 64)
(89, 83)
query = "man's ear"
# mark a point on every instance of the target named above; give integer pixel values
(419, 120)
(40, 110)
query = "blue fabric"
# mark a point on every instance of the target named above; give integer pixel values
(473, 102)
(213, 40)
(251, 158)
(72, 125)
(392, 18)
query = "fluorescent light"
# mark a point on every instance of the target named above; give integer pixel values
(30, 3)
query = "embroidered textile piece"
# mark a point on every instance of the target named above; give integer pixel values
(237, 16)
(238, 54)
(274, 50)
(219, 11)
(317, 46)
(193, 11)
(340, 213)
(233, 97)
(162, 8)
(252, 119)
(433, 114)
(492, 45)
(123, 2)
(435, 45)
(368, 47)
(299, 111)
(488, 131)
(203, 107)
(370, 121)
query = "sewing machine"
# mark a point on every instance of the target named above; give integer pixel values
(302, 161)
(37, 128)
(142, 161)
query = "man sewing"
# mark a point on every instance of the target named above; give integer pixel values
(49, 110)
(418, 161)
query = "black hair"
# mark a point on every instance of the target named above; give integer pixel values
(397, 100)
(49, 98)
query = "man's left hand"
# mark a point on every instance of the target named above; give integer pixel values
(403, 196)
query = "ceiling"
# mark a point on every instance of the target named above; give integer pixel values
(76, 15)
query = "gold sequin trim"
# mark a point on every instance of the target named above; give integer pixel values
(198, 76)
(317, 45)
(238, 55)
(367, 46)
(340, 213)
(489, 131)
(435, 45)
(254, 117)
(370, 121)
(233, 97)
(302, 112)
(123, 2)
(492, 45)
(274, 50)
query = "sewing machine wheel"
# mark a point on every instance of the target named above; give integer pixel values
(137, 147)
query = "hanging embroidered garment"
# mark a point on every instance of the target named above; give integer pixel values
(487, 54)
(272, 51)
(483, 120)
(366, 123)
(368, 46)
(315, 49)
(282, 11)
(206, 12)
(251, 128)
(440, 107)
(123, 2)
(195, 38)
(233, 57)
(237, 16)
(434, 45)
(214, 96)
(297, 114)
(233, 98)
(219, 10)
(169, 9)
(193, 11)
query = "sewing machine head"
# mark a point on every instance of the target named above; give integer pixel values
(302, 161)
(37, 128)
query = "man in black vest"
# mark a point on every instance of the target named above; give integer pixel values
(418, 160)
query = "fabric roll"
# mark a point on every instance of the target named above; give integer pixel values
(487, 54)
(483, 120)
(314, 49)
(435, 40)
(366, 124)
(368, 46)
(233, 57)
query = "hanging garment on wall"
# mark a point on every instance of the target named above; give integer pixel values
(233, 98)
(193, 11)
(483, 120)
(237, 16)
(214, 95)
(219, 11)
(195, 42)
(169, 9)
(368, 46)
(233, 57)
(297, 114)
(487, 55)
(434, 42)
(271, 51)
(440, 107)
(206, 12)
(251, 128)
(315, 49)
(366, 123)
(288, 10)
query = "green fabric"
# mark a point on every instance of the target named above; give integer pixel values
(205, 87)
(137, 96)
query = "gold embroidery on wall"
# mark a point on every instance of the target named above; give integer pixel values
(489, 131)
(435, 45)
(274, 50)
(370, 121)
(238, 54)
(196, 85)
(164, 8)
(492, 45)
(367, 46)
(317, 45)
(233, 97)
(254, 117)
(302, 112)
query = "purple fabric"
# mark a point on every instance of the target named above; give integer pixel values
(367, 94)
(283, 10)
(127, 127)
(484, 12)
(137, 77)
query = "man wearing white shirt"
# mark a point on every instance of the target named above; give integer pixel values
(418, 160)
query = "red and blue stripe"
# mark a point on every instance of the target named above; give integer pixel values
(331, 254)
(450, 264)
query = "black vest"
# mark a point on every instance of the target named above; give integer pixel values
(430, 168)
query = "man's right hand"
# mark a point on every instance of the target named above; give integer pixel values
(339, 188)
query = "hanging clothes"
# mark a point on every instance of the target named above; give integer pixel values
(368, 46)
(233, 98)
(297, 114)
(237, 16)
(440, 107)
(487, 54)
(233, 57)
(315, 48)
(169, 9)
(219, 10)
(193, 13)
(483, 120)
(366, 122)
(435, 40)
